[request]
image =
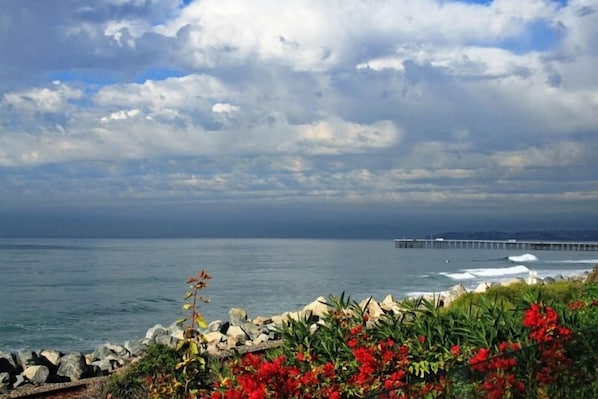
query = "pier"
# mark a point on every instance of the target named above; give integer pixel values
(441, 243)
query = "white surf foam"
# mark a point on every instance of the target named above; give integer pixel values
(523, 258)
(499, 271)
(459, 276)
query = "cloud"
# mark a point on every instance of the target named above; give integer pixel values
(412, 103)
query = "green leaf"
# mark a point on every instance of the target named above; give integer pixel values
(187, 306)
(201, 322)
(193, 348)
(188, 295)
(180, 321)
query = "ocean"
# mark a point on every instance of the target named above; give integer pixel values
(75, 294)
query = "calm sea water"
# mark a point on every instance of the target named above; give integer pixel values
(75, 294)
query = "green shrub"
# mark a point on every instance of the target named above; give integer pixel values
(157, 360)
(517, 296)
(592, 278)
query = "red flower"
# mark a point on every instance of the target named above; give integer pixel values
(455, 350)
(356, 330)
(421, 339)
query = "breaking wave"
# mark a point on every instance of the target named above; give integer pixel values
(523, 258)
(459, 276)
(468, 274)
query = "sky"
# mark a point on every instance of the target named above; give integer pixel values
(323, 118)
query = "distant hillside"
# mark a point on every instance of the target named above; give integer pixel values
(550, 235)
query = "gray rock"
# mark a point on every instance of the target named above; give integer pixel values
(318, 308)
(110, 351)
(50, 357)
(155, 331)
(215, 326)
(237, 334)
(262, 321)
(101, 352)
(251, 330)
(27, 358)
(73, 366)
(176, 330)
(214, 337)
(19, 381)
(166, 340)
(457, 291)
(134, 347)
(213, 349)
(390, 305)
(105, 366)
(510, 282)
(371, 307)
(8, 363)
(261, 339)
(4, 382)
(237, 316)
(548, 280)
(37, 375)
(482, 287)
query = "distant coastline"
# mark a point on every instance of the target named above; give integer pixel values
(542, 235)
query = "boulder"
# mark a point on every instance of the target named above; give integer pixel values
(510, 282)
(8, 363)
(27, 358)
(177, 331)
(388, 303)
(37, 375)
(237, 316)
(50, 357)
(318, 308)
(279, 320)
(214, 337)
(371, 308)
(262, 321)
(72, 366)
(109, 351)
(105, 366)
(4, 381)
(237, 333)
(251, 330)
(482, 287)
(457, 291)
(166, 340)
(19, 380)
(214, 326)
(155, 331)
(134, 347)
(301, 315)
(261, 339)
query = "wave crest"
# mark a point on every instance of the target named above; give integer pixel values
(499, 271)
(523, 258)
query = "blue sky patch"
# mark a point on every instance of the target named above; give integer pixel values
(539, 36)
(159, 73)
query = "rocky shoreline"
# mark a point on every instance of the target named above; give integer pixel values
(238, 334)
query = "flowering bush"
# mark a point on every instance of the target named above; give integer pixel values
(481, 351)
(384, 368)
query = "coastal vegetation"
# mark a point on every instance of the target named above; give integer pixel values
(517, 341)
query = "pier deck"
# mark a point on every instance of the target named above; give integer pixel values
(440, 243)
